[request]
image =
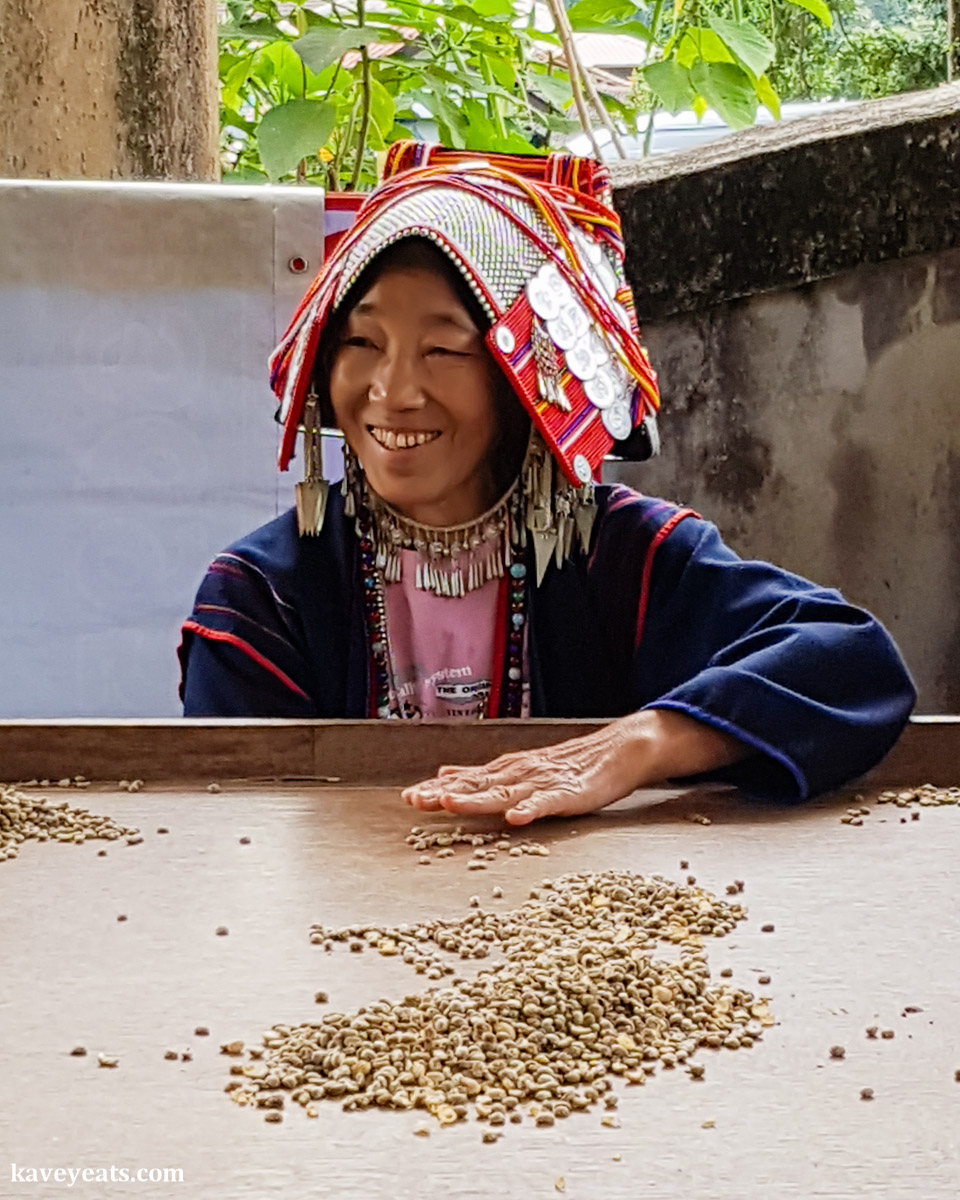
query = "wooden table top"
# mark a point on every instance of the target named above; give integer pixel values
(866, 925)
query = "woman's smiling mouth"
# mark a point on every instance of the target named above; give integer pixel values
(401, 439)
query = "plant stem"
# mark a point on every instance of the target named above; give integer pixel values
(344, 142)
(558, 12)
(654, 30)
(648, 136)
(366, 92)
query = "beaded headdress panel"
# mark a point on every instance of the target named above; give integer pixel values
(538, 243)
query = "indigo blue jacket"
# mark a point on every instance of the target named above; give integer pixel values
(659, 614)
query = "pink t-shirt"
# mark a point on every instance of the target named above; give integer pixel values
(441, 647)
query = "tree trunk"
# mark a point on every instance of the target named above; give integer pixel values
(109, 89)
(953, 40)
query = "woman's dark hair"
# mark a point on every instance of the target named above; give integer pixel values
(513, 423)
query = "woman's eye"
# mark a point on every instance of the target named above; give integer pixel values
(446, 351)
(357, 341)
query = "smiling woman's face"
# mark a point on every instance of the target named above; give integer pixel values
(414, 390)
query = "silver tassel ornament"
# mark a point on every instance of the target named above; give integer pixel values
(312, 490)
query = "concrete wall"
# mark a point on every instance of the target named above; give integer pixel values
(799, 290)
(819, 427)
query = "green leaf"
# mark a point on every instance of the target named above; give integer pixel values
(382, 107)
(502, 70)
(237, 76)
(288, 69)
(747, 44)
(494, 8)
(254, 31)
(818, 8)
(728, 90)
(291, 132)
(465, 15)
(447, 114)
(702, 44)
(230, 117)
(555, 89)
(671, 83)
(768, 97)
(600, 12)
(321, 47)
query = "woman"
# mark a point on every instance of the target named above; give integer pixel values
(474, 340)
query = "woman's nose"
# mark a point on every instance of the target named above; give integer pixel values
(397, 386)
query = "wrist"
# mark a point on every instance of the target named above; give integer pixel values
(655, 745)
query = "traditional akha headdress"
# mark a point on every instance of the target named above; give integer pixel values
(539, 245)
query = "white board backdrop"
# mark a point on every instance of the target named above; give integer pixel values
(136, 431)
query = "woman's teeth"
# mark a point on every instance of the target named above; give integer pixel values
(398, 439)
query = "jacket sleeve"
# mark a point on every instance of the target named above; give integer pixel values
(813, 684)
(240, 655)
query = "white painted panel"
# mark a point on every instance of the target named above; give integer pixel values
(136, 433)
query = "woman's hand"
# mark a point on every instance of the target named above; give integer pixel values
(583, 774)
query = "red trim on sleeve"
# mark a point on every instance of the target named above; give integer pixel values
(216, 635)
(499, 650)
(661, 536)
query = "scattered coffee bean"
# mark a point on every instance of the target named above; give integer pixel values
(171, 1055)
(222, 931)
(79, 1051)
(866, 1093)
(837, 1052)
(767, 928)
(201, 1031)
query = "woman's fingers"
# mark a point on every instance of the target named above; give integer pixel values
(553, 802)
(495, 799)
(425, 801)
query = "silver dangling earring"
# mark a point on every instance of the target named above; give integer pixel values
(312, 491)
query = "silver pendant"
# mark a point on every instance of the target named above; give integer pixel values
(544, 546)
(617, 421)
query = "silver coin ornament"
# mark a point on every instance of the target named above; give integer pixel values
(602, 389)
(581, 359)
(581, 468)
(607, 277)
(617, 421)
(569, 325)
(547, 292)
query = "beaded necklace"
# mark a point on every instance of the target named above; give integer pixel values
(506, 686)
